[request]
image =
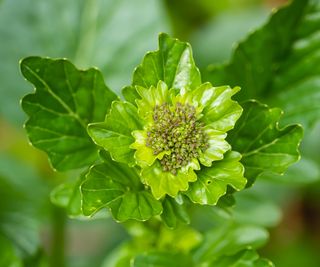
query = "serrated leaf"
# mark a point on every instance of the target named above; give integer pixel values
(174, 212)
(245, 258)
(212, 182)
(172, 63)
(162, 259)
(117, 187)
(264, 147)
(279, 62)
(114, 134)
(65, 101)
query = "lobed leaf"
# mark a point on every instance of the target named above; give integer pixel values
(172, 63)
(264, 147)
(279, 63)
(212, 182)
(114, 134)
(65, 101)
(117, 187)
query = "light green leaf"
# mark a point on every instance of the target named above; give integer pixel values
(212, 182)
(172, 63)
(65, 101)
(245, 258)
(287, 74)
(264, 147)
(162, 183)
(162, 259)
(8, 257)
(228, 239)
(117, 187)
(114, 134)
(174, 212)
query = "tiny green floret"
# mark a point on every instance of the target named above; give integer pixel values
(177, 130)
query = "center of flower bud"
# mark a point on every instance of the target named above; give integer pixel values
(176, 130)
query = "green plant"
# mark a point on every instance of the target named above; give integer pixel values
(182, 161)
(164, 152)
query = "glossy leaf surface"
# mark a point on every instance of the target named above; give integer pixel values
(287, 74)
(65, 101)
(264, 147)
(212, 182)
(118, 187)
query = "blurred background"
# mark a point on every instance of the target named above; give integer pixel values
(114, 35)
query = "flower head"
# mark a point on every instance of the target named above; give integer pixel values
(181, 131)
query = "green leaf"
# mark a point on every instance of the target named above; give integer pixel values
(117, 187)
(8, 257)
(90, 33)
(264, 147)
(172, 63)
(212, 182)
(228, 239)
(279, 62)
(114, 134)
(245, 258)
(174, 211)
(162, 259)
(65, 101)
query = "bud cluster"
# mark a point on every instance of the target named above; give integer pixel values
(177, 131)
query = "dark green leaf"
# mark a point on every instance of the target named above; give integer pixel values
(117, 187)
(174, 211)
(280, 62)
(212, 182)
(264, 147)
(172, 63)
(65, 101)
(114, 134)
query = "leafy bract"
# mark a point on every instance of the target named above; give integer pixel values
(114, 134)
(212, 182)
(118, 187)
(279, 63)
(65, 101)
(264, 147)
(172, 63)
(162, 259)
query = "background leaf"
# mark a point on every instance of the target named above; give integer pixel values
(285, 75)
(118, 187)
(65, 101)
(263, 146)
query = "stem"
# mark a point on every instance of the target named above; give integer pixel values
(58, 237)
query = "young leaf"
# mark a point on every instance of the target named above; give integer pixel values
(280, 63)
(117, 187)
(212, 182)
(65, 101)
(172, 63)
(114, 134)
(264, 147)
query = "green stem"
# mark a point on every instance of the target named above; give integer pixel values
(57, 258)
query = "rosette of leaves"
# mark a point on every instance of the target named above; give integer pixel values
(163, 147)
